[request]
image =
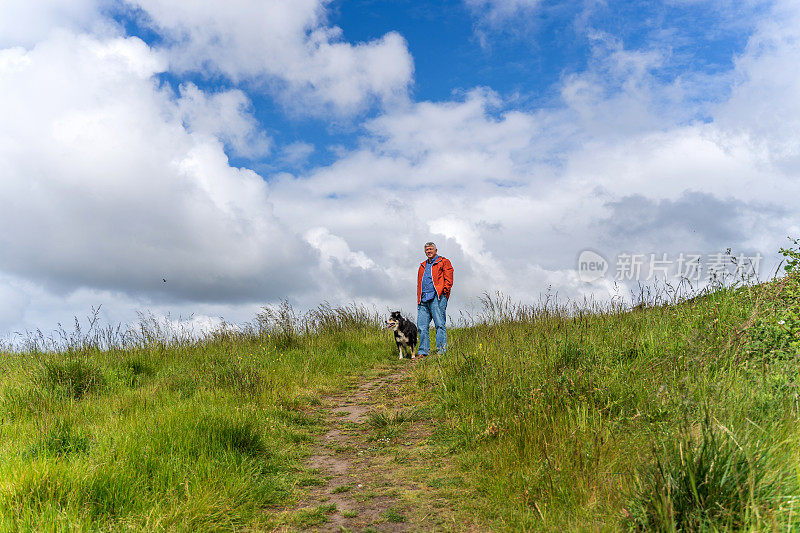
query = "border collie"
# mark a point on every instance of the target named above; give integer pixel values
(405, 333)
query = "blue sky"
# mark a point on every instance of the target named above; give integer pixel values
(267, 149)
(454, 51)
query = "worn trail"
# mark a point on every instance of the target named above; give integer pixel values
(374, 468)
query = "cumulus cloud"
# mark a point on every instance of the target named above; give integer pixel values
(444, 172)
(623, 164)
(29, 306)
(335, 249)
(226, 116)
(106, 187)
(699, 217)
(27, 22)
(763, 105)
(285, 43)
(346, 275)
(113, 182)
(117, 188)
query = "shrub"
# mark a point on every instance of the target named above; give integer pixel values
(775, 332)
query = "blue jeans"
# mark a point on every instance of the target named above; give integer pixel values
(435, 309)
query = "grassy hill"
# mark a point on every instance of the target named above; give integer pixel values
(676, 416)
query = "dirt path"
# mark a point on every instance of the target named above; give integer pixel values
(374, 468)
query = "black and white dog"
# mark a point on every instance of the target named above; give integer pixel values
(405, 333)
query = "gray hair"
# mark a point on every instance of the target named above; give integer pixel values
(430, 244)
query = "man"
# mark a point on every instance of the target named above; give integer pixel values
(434, 281)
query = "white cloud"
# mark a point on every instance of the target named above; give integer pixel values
(121, 189)
(226, 116)
(117, 183)
(495, 13)
(517, 195)
(111, 191)
(285, 43)
(28, 306)
(764, 104)
(334, 248)
(296, 153)
(15, 301)
(27, 22)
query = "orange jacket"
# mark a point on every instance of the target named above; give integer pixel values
(442, 274)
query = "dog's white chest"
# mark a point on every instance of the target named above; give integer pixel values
(400, 337)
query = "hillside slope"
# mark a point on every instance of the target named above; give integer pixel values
(676, 416)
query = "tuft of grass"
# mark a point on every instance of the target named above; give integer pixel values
(366, 496)
(316, 516)
(349, 318)
(342, 488)
(393, 514)
(308, 481)
(386, 425)
(62, 439)
(239, 436)
(707, 479)
(70, 378)
(385, 419)
(136, 370)
(242, 377)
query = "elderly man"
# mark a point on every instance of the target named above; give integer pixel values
(434, 281)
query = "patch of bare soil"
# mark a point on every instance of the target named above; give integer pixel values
(375, 464)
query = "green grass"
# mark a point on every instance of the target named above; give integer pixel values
(671, 416)
(393, 515)
(307, 481)
(386, 426)
(342, 488)
(307, 518)
(710, 479)
(156, 432)
(660, 418)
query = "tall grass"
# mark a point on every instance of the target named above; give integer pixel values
(678, 412)
(599, 417)
(155, 427)
(710, 478)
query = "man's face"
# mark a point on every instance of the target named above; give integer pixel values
(430, 252)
